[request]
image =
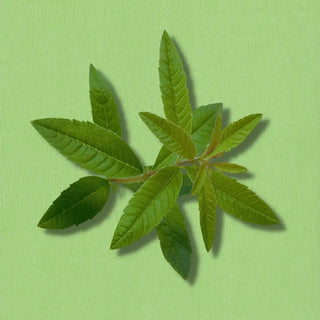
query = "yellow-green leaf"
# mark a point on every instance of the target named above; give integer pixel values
(215, 137)
(171, 135)
(207, 207)
(199, 179)
(239, 201)
(93, 147)
(236, 132)
(229, 167)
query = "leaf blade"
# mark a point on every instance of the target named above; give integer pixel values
(172, 136)
(103, 106)
(173, 85)
(207, 207)
(81, 201)
(239, 201)
(93, 147)
(215, 137)
(229, 167)
(199, 179)
(148, 206)
(236, 132)
(174, 241)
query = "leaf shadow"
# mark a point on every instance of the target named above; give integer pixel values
(139, 244)
(194, 266)
(188, 73)
(218, 233)
(89, 224)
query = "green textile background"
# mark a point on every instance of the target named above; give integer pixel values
(254, 56)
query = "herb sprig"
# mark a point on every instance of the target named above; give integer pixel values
(186, 164)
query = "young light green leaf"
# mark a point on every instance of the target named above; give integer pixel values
(215, 137)
(173, 85)
(174, 241)
(165, 158)
(103, 105)
(93, 147)
(192, 171)
(199, 179)
(80, 202)
(229, 167)
(207, 207)
(171, 135)
(236, 132)
(203, 121)
(237, 200)
(148, 206)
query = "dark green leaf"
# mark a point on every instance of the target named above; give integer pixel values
(186, 186)
(207, 207)
(80, 202)
(173, 85)
(174, 241)
(171, 135)
(237, 200)
(148, 206)
(103, 106)
(236, 132)
(93, 147)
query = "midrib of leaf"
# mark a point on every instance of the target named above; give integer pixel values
(149, 204)
(88, 145)
(74, 205)
(243, 203)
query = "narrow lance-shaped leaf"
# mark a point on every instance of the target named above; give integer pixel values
(186, 185)
(80, 202)
(199, 179)
(236, 132)
(103, 105)
(171, 135)
(229, 167)
(207, 207)
(215, 138)
(174, 241)
(93, 147)
(173, 85)
(237, 200)
(148, 206)
(203, 121)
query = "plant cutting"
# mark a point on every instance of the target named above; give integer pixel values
(188, 163)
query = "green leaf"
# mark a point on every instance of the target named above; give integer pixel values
(148, 206)
(236, 132)
(173, 85)
(174, 241)
(192, 171)
(199, 179)
(80, 202)
(93, 147)
(171, 135)
(165, 158)
(215, 137)
(207, 207)
(103, 105)
(203, 122)
(229, 167)
(237, 200)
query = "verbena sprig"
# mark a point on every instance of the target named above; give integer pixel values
(186, 164)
